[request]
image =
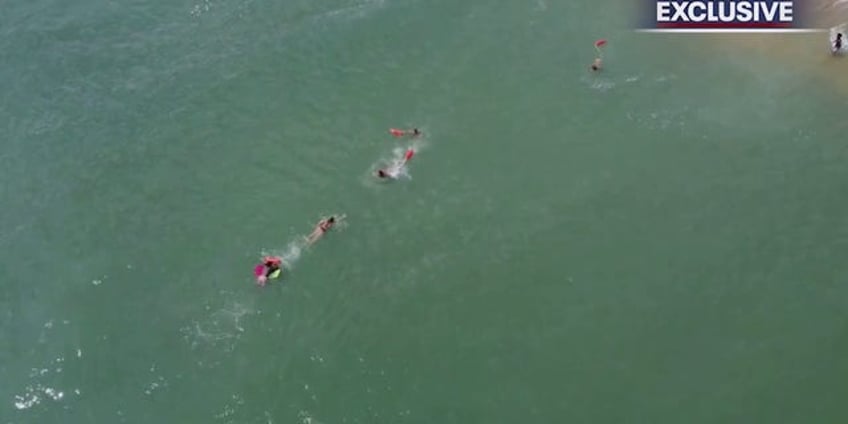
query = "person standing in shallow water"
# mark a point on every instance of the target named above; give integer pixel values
(837, 44)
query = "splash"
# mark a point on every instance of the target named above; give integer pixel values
(306, 417)
(293, 251)
(222, 329)
(665, 119)
(230, 409)
(33, 395)
(159, 383)
(200, 8)
(354, 12)
(602, 85)
(40, 388)
(341, 220)
(291, 254)
(396, 165)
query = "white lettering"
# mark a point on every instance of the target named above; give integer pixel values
(743, 12)
(769, 10)
(786, 14)
(725, 12)
(697, 17)
(663, 9)
(739, 11)
(680, 11)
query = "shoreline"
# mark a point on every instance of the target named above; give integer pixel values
(804, 53)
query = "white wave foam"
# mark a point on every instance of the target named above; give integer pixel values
(291, 254)
(396, 165)
(160, 382)
(221, 329)
(39, 389)
(34, 394)
(603, 85)
(357, 11)
(230, 408)
(200, 8)
(307, 418)
(660, 120)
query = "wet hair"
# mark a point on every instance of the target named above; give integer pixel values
(839, 35)
(332, 219)
(381, 173)
(594, 67)
(415, 131)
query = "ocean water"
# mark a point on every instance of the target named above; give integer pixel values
(662, 242)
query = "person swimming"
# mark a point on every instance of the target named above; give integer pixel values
(270, 268)
(597, 64)
(415, 132)
(837, 43)
(393, 171)
(323, 226)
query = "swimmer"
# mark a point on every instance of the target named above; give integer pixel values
(323, 226)
(596, 65)
(393, 171)
(837, 44)
(271, 267)
(415, 132)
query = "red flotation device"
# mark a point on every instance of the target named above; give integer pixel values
(396, 132)
(272, 259)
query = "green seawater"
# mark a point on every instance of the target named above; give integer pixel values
(663, 242)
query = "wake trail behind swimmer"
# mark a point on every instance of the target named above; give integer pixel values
(394, 170)
(272, 266)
